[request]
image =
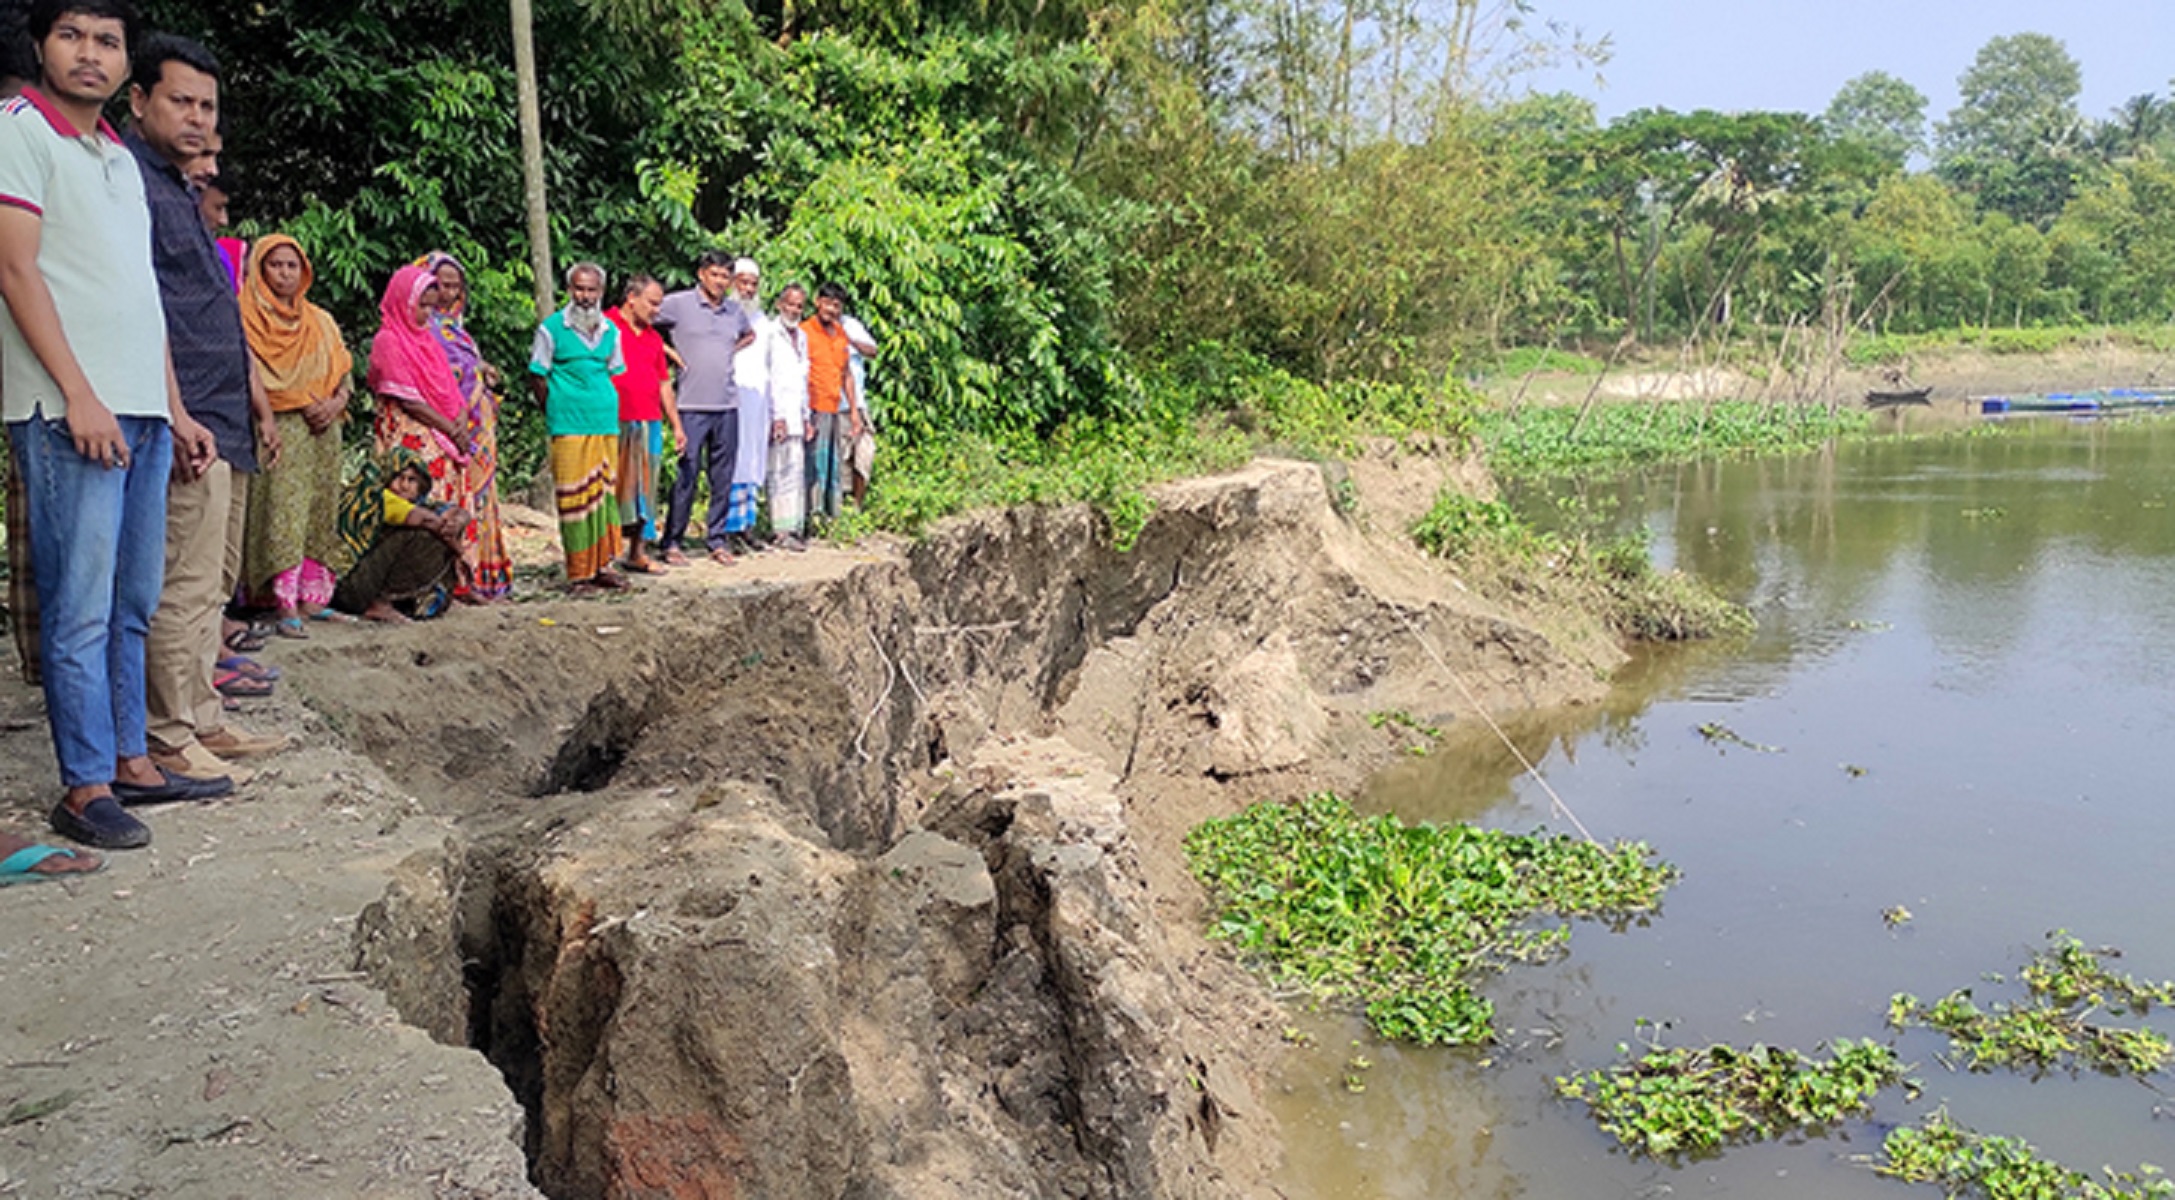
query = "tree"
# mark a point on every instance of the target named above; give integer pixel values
(535, 198)
(2141, 124)
(1882, 113)
(2013, 140)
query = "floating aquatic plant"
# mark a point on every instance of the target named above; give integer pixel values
(1965, 1163)
(1669, 1101)
(1402, 919)
(1719, 734)
(2068, 972)
(2068, 983)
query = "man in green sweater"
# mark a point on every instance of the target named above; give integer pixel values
(571, 364)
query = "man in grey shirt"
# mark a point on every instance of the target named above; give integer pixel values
(706, 327)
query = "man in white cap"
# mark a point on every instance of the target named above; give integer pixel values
(751, 460)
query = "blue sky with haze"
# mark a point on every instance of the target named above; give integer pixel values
(1740, 55)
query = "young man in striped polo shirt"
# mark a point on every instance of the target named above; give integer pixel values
(94, 415)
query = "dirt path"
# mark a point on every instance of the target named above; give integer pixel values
(188, 1023)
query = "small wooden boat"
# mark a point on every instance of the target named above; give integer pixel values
(1898, 399)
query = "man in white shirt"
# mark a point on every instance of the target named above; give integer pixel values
(94, 414)
(751, 457)
(785, 375)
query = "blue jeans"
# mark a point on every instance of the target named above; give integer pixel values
(98, 549)
(713, 441)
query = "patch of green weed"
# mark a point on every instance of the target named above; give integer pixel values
(1669, 1101)
(1402, 919)
(2053, 1027)
(1964, 1163)
(1613, 576)
(1549, 440)
(1528, 360)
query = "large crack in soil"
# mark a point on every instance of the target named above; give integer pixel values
(868, 884)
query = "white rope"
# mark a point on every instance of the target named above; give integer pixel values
(1555, 801)
(891, 682)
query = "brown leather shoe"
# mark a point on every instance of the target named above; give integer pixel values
(234, 742)
(195, 762)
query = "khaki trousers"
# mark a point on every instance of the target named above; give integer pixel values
(204, 523)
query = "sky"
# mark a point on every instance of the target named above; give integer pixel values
(1792, 55)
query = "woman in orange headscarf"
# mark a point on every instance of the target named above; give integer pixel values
(292, 542)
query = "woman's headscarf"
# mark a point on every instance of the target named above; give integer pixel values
(406, 361)
(450, 325)
(300, 354)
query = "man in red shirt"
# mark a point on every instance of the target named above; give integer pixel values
(646, 407)
(834, 404)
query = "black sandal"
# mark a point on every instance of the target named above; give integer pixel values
(246, 640)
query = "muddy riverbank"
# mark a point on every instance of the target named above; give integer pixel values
(853, 873)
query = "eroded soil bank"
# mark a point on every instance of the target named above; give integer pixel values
(848, 874)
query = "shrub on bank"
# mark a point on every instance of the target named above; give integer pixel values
(1613, 577)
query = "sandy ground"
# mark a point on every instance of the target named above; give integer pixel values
(188, 1022)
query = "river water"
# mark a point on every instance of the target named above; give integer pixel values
(1984, 626)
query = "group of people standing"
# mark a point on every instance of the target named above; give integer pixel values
(174, 404)
(135, 416)
(767, 409)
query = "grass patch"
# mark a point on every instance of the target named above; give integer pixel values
(1108, 465)
(1964, 1163)
(1527, 360)
(1505, 558)
(1541, 440)
(1399, 919)
(1666, 1102)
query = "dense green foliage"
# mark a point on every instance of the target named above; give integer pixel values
(1402, 919)
(1048, 211)
(1666, 1102)
(1968, 1164)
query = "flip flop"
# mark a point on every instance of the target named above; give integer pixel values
(291, 627)
(236, 685)
(250, 667)
(640, 567)
(245, 640)
(20, 867)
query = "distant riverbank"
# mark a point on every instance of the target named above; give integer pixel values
(1956, 371)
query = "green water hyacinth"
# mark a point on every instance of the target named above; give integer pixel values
(1939, 1151)
(2068, 985)
(1542, 440)
(1670, 1101)
(1399, 919)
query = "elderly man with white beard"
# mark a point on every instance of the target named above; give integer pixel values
(572, 361)
(751, 459)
